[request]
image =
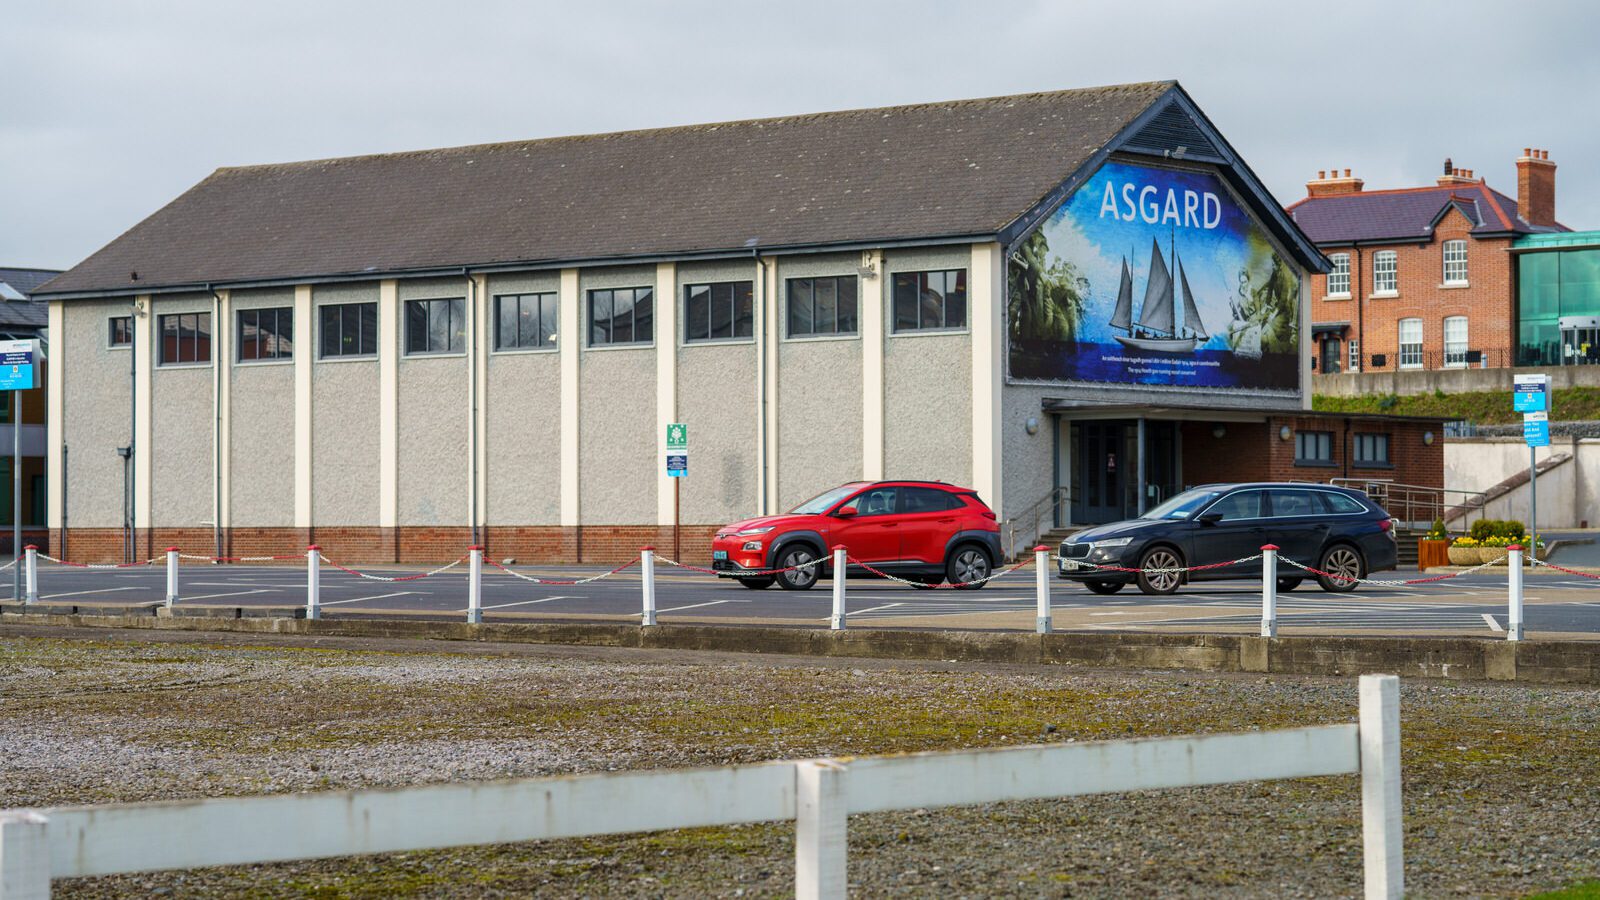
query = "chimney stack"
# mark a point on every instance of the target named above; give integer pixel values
(1329, 183)
(1453, 175)
(1536, 187)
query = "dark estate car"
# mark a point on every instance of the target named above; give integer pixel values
(1337, 530)
(926, 532)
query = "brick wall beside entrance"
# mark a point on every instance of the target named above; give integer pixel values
(1255, 451)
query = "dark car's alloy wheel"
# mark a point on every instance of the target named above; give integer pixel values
(1165, 581)
(1103, 587)
(1345, 564)
(798, 579)
(1289, 584)
(758, 583)
(968, 568)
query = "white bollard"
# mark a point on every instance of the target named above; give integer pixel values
(1383, 848)
(821, 810)
(172, 576)
(1269, 591)
(647, 580)
(474, 585)
(30, 574)
(313, 582)
(1514, 583)
(24, 856)
(841, 563)
(1041, 583)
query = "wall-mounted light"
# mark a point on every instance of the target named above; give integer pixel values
(1217, 430)
(1032, 425)
(1285, 433)
(1427, 438)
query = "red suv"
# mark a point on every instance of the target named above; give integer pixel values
(923, 531)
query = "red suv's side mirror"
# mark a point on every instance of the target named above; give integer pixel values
(845, 512)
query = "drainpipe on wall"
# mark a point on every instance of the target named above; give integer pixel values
(130, 472)
(472, 395)
(216, 420)
(1361, 311)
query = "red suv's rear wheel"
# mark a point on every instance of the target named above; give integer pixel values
(968, 568)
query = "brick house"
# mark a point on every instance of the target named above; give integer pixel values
(1422, 277)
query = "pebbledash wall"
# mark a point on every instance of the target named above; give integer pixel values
(371, 457)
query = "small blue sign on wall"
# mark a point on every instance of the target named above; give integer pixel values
(678, 466)
(18, 365)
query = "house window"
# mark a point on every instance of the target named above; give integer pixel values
(120, 331)
(349, 329)
(436, 326)
(525, 321)
(1455, 262)
(185, 339)
(1371, 449)
(1355, 356)
(1386, 272)
(717, 312)
(1313, 447)
(930, 300)
(1410, 343)
(1455, 342)
(1339, 278)
(266, 333)
(621, 316)
(822, 305)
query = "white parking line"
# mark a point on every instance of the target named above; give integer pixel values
(81, 593)
(696, 606)
(1493, 625)
(359, 599)
(862, 612)
(229, 594)
(527, 602)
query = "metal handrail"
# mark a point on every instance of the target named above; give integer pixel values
(1406, 501)
(1035, 511)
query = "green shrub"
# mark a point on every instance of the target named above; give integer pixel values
(1483, 529)
(1437, 531)
(1387, 402)
(1511, 528)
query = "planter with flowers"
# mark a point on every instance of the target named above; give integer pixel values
(1464, 551)
(1433, 548)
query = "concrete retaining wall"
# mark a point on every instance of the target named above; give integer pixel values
(1450, 381)
(1569, 495)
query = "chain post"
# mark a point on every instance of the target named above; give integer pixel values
(647, 580)
(1514, 587)
(836, 622)
(1043, 623)
(475, 585)
(172, 576)
(313, 582)
(1269, 590)
(31, 575)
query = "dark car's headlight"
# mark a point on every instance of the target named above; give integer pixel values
(1110, 543)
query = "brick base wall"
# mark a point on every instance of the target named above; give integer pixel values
(1257, 452)
(542, 544)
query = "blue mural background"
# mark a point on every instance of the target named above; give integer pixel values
(1064, 282)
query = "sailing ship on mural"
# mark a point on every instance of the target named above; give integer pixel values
(1158, 329)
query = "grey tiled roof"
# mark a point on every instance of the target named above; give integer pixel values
(955, 169)
(1407, 213)
(24, 314)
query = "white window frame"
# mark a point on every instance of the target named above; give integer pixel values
(1355, 356)
(1409, 358)
(1339, 275)
(1455, 351)
(1455, 262)
(1386, 273)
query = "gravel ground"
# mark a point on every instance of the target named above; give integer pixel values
(1499, 780)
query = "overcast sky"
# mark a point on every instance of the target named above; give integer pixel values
(110, 108)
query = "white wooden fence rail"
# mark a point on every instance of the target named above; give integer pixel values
(38, 845)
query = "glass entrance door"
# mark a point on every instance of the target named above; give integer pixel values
(1100, 472)
(1580, 340)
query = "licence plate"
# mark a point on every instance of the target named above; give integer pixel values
(1068, 565)
(719, 554)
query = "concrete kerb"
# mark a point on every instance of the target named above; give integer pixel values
(1546, 662)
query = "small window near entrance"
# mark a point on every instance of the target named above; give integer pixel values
(1355, 356)
(120, 331)
(1313, 448)
(929, 301)
(1243, 505)
(1372, 449)
(876, 502)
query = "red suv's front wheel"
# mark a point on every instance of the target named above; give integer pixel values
(799, 576)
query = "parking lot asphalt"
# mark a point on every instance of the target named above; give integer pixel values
(1558, 605)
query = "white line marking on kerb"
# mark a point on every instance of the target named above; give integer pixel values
(359, 599)
(229, 594)
(526, 602)
(1493, 625)
(81, 593)
(693, 606)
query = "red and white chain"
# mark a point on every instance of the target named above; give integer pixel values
(559, 581)
(949, 585)
(444, 568)
(744, 573)
(1082, 564)
(239, 559)
(1390, 582)
(1550, 565)
(77, 565)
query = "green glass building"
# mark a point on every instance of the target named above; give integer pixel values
(1558, 299)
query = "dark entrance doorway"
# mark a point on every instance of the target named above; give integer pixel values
(1330, 363)
(1105, 459)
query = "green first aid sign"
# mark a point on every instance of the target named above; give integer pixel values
(677, 437)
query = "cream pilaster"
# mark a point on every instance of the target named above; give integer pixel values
(987, 293)
(769, 326)
(222, 339)
(482, 334)
(569, 343)
(871, 310)
(143, 461)
(56, 420)
(666, 314)
(304, 352)
(388, 403)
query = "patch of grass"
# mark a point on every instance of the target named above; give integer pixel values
(1482, 407)
(1586, 890)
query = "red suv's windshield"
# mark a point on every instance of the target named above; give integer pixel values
(822, 502)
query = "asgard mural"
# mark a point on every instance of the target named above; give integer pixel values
(1153, 276)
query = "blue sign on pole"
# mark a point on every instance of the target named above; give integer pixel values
(1536, 429)
(1531, 393)
(678, 466)
(17, 365)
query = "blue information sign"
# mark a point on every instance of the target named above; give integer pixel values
(1531, 393)
(678, 466)
(17, 365)
(1536, 429)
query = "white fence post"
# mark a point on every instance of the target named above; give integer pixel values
(1514, 584)
(820, 854)
(313, 582)
(1381, 833)
(1269, 591)
(647, 579)
(24, 856)
(31, 575)
(1041, 576)
(172, 576)
(474, 585)
(836, 621)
